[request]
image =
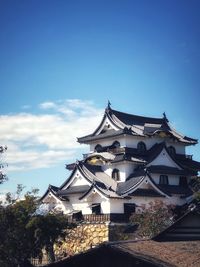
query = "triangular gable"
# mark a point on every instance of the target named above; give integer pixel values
(76, 178)
(143, 183)
(91, 191)
(48, 195)
(106, 124)
(164, 158)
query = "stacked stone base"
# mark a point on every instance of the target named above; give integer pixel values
(83, 237)
(88, 235)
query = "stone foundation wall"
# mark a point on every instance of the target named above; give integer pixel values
(89, 235)
(83, 237)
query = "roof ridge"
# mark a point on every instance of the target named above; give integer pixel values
(137, 116)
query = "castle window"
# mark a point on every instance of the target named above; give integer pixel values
(96, 208)
(98, 148)
(163, 180)
(115, 174)
(183, 181)
(172, 150)
(77, 216)
(141, 147)
(129, 208)
(116, 144)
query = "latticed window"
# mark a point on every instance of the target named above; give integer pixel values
(163, 179)
(141, 147)
(115, 174)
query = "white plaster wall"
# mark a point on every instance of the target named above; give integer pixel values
(79, 180)
(113, 205)
(173, 179)
(105, 206)
(180, 148)
(117, 206)
(132, 141)
(107, 142)
(125, 169)
(85, 204)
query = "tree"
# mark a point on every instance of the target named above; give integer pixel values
(152, 219)
(16, 243)
(3, 176)
(195, 185)
(46, 230)
(24, 232)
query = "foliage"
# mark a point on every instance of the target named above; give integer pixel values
(195, 183)
(197, 196)
(16, 243)
(152, 219)
(46, 229)
(23, 232)
(3, 176)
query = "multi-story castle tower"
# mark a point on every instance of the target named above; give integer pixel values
(132, 161)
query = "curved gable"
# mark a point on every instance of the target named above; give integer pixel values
(106, 125)
(164, 158)
(144, 183)
(75, 179)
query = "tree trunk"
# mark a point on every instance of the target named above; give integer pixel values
(50, 253)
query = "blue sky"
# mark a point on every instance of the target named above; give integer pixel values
(60, 61)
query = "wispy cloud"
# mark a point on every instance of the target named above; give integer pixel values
(43, 139)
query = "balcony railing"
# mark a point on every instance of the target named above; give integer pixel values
(113, 217)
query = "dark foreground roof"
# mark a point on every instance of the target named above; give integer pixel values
(137, 253)
(187, 227)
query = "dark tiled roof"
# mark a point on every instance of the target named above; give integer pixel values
(142, 192)
(189, 163)
(73, 190)
(101, 180)
(161, 169)
(187, 227)
(124, 187)
(137, 253)
(53, 189)
(175, 190)
(177, 254)
(130, 119)
(135, 125)
(70, 167)
(128, 157)
(107, 134)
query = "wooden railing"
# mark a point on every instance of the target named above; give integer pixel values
(96, 217)
(113, 217)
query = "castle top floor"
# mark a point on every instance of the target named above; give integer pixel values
(127, 130)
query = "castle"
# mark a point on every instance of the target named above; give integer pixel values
(132, 161)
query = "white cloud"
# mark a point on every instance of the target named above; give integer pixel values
(42, 140)
(47, 105)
